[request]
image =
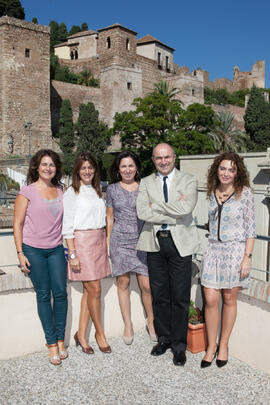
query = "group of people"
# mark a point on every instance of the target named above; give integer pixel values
(145, 227)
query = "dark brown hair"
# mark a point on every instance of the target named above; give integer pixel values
(33, 175)
(114, 170)
(81, 158)
(241, 179)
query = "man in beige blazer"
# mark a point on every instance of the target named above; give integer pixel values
(165, 202)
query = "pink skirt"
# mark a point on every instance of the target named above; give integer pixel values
(91, 250)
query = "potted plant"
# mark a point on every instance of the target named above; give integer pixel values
(196, 336)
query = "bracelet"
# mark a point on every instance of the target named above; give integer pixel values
(20, 253)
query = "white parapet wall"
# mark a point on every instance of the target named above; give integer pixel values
(21, 332)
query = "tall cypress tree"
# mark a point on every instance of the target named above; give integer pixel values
(74, 29)
(66, 135)
(93, 135)
(84, 27)
(257, 120)
(12, 8)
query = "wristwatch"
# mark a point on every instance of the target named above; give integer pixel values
(72, 255)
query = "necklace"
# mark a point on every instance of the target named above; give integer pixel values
(223, 196)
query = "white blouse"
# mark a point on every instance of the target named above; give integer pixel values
(82, 211)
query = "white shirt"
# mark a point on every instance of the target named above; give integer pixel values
(82, 211)
(168, 182)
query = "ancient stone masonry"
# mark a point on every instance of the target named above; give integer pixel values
(126, 67)
(241, 80)
(24, 86)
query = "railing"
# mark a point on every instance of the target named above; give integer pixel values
(202, 227)
(258, 237)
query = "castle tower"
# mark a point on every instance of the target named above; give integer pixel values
(121, 75)
(24, 86)
(116, 45)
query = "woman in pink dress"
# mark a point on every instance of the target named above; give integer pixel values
(84, 230)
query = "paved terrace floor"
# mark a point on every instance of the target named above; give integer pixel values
(128, 376)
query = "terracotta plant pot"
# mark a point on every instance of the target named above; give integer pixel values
(196, 338)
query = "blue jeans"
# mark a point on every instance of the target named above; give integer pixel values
(48, 275)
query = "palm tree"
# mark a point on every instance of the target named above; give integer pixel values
(162, 88)
(225, 136)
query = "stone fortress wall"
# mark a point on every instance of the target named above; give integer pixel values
(127, 68)
(24, 86)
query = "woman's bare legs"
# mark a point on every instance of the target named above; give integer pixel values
(212, 297)
(84, 318)
(144, 285)
(229, 311)
(123, 283)
(94, 306)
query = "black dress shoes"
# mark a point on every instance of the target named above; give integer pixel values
(160, 348)
(179, 358)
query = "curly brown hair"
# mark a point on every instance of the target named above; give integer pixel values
(81, 158)
(241, 179)
(33, 175)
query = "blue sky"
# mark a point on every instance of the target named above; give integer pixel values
(212, 34)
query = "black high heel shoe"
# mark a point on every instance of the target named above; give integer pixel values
(222, 363)
(205, 363)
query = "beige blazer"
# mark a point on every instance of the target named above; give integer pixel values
(177, 213)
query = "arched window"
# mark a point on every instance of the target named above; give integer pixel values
(71, 55)
(76, 54)
(108, 42)
(127, 44)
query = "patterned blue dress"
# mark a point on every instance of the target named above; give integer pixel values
(125, 233)
(230, 225)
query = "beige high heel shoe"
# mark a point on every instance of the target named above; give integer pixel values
(63, 354)
(55, 359)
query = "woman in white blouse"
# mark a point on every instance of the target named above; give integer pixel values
(84, 230)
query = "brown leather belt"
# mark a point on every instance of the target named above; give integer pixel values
(164, 234)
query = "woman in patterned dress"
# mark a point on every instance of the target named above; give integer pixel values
(123, 229)
(227, 259)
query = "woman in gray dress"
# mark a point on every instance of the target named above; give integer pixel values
(123, 229)
(227, 260)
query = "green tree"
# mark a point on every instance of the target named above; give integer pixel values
(53, 65)
(162, 88)
(12, 8)
(93, 135)
(157, 118)
(74, 29)
(58, 34)
(54, 26)
(225, 136)
(257, 120)
(66, 136)
(34, 20)
(84, 27)
(62, 33)
(223, 97)
(86, 78)
(63, 74)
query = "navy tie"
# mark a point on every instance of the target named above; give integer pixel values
(165, 192)
(165, 188)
